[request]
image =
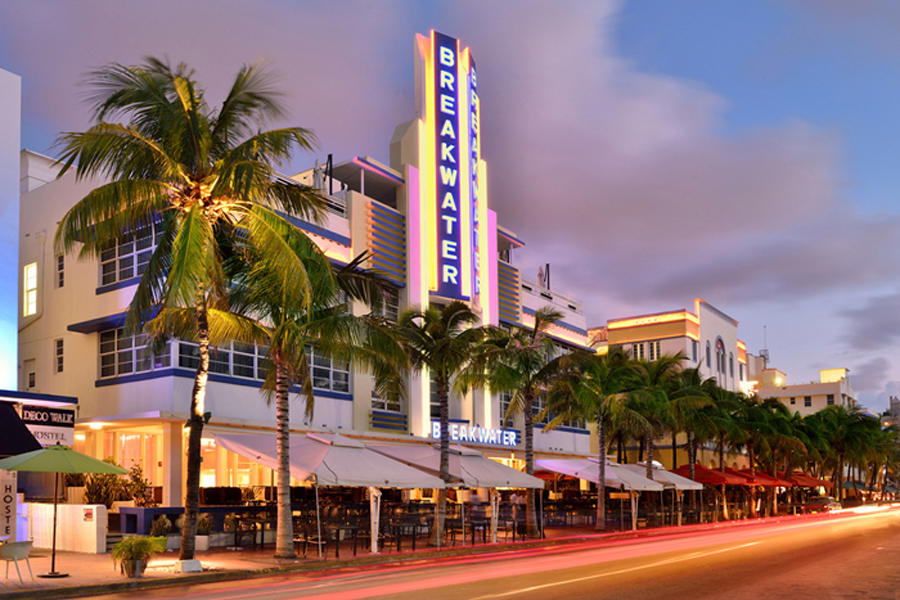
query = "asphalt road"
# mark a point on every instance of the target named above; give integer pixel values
(852, 555)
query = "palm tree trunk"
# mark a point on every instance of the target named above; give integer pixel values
(674, 450)
(440, 507)
(752, 455)
(195, 432)
(600, 525)
(284, 534)
(531, 526)
(649, 457)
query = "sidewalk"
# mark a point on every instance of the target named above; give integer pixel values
(94, 574)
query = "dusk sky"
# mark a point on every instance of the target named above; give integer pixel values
(652, 152)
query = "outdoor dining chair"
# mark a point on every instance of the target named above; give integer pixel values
(16, 551)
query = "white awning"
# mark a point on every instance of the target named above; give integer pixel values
(589, 470)
(666, 478)
(469, 467)
(332, 458)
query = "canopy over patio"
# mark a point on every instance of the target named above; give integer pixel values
(468, 467)
(709, 476)
(667, 478)
(332, 458)
(801, 479)
(589, 469)
(766, 480)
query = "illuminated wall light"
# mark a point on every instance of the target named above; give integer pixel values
(96, 426)
(80, 437)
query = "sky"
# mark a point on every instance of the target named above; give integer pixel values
(651, 151)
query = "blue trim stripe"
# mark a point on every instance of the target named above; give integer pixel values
(319, 231)
(36, 396)
(216, 377)
(103, 289)
(397, 236)
(362, 161)
(570, 327)
(398, 250)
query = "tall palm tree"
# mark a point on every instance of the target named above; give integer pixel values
(688, 393)
(293, 327)
(597, 391)
(441, 342)
(654, 398)
(846, 430)
(523, 362)
(196, 173)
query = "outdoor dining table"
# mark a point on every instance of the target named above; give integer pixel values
(255, 523)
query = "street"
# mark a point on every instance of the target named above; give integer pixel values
(851, 555)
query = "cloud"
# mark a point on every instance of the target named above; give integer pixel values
(876, 324)
(871, 375)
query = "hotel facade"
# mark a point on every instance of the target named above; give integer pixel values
(426, 222)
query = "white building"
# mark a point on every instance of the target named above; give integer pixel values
(833, 388)
(132, 406)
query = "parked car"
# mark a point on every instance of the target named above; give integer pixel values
(820, 504)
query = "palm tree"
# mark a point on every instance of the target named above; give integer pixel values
(441, 342)
(520, 362)
(597, 390)
(197, 174)
(293, 327)
(846, 430)
(653, 398)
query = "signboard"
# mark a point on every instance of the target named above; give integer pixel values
(8, 503)
(50, 426)
(463, 432)
(620, 495)
(453, 190)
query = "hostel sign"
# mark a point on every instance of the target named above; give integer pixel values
(50, 426)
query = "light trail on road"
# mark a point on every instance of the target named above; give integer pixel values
(748, 559)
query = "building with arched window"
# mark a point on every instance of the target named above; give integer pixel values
(649, 336)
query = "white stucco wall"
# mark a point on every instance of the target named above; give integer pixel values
(10, 141)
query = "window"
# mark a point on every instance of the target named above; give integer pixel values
(129, 256)
(122, 354)
(653, 350)
(694, 350)
(708, 359)
(30, 284)
(434, 400)
(720, 356)
(793, 400)
(807, 401)
(391, 307)
(391, 402)
(637, 351)
(741, 370)
(505, 401)
(235, 359)
(58, 356)
(731, 364)
(327, 374)
(60, 270)
(829, 399)
(31, 380)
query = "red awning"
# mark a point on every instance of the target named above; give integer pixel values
(766, 480)
(710, 476)
(803, 480)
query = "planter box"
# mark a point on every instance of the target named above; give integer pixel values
(201, 543)
(75, 495)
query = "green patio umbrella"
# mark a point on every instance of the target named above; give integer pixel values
(58, 459)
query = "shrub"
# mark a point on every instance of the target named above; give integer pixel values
(161, 526)
(204, 524)
(104, 488)
(134, 548)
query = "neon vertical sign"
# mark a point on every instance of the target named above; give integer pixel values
(447, 109)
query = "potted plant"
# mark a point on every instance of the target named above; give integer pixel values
(133, 553)
(204, 527)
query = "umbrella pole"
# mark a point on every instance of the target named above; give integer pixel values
(319, 521)
(53, 572)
